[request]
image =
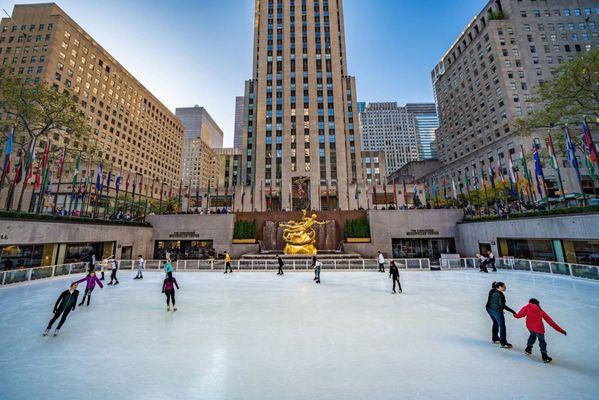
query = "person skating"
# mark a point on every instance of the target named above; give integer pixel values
(491, 260)
(482, 263)
(168, 288)
(394, 274)
(228, 263)
(90, 284)
(534, 322)
(64, 305)
(113, 269)
(495, 307)
(140, 266)
(381, 261)
(317, 265)
(168, 267)
(281, 265)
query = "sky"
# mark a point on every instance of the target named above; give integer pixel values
(189, 52)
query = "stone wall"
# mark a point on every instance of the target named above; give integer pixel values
(469, 235)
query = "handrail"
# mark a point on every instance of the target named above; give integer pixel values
(575, 270)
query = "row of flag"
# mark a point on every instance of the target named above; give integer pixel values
(522, 175)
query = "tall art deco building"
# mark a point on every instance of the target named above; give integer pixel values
(301, 136)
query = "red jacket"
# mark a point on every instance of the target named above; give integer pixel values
(534, 318)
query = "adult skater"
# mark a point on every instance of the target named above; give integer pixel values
(381, 261)
(491, 260)
(168, 288)
(495, 307)
(168, 266)
(281, 265)
(140, 266)
(534, 322)
(228, 263)
(64, 305)
(317, 265)
(90, 284)
(91, 261)
(482, 263)
(113, 269)
(394, 274)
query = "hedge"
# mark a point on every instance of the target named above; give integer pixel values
(244, 230)
(538, 213)
(356, 228)
(16, 215)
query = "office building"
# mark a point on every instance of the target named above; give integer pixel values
(239, 115)
(427, 123)
(301, 132)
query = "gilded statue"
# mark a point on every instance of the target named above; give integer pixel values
(300, 236)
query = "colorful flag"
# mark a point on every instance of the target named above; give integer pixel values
(523, 163)
(29, 162)
(589, 163)
(99, 179)
(510, 167)
(108, 178)
(535, 156)
(552, 156)
(500, 170)
(572, 155)
(587, 139)
(454, 191)
(41, 168)
(76, 171)
(117, 183)
(18, 171)
(7, 152)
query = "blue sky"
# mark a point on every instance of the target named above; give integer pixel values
(199, 51)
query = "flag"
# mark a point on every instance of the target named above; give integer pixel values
(492, 177)
(41, 168)
(29, 162)
(61, 162)
(500, 170)
(99, 179)
(117, 183)
(587, 139)
(466, 180)
(552, 156)
(127, 183)
(535, 156)
(7, 152)
(589, 163)
(108, 178)
(474, 178)
(510, 167)
(572, 155)
(454, 191)
(525, 171)
(76, 171)
(18, 172)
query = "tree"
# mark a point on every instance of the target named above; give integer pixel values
(571, 96)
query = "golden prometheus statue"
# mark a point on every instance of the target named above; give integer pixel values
(300, 236)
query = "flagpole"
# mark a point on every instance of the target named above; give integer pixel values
(160, 202)
(60, 165)
(29, 166)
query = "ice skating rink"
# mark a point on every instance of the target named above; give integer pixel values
(256, 335)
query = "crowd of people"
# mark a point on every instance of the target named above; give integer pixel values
(496, 304)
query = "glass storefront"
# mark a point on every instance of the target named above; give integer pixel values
(423, 248)
(582, 251)
(21, 256)
(76, 252)
(184, 249)
(532, 249)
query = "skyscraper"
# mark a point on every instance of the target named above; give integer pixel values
(301, 133)
(239, 114)
(427, 123)
(393, 130)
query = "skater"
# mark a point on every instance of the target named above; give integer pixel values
(64, 305)
(281, 265)
(534, 322)
(381, 261)
(168, 266)
(228, 263)
(91, 261)
(140, 266)
(90, 284)
(482, 263)
(113, 269)
(495, 307)
(317, 265)
(491, 260)
(168, 288)
(394, 274)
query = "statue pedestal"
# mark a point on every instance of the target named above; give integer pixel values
(309, 249)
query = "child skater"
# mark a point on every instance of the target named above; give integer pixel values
(90, 284)
(534, 322)
(64, 305)
(394, 274)
(317, 265)
(168, 288)
(113, 269)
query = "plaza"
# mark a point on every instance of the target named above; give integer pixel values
(256, 335)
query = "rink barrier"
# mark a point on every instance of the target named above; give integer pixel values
(539, 266)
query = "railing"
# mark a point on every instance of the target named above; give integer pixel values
(519, 264)
(30, 274)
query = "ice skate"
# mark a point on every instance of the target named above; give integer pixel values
(46, 332)
(528, 350)
(80, 304)
(110, 283)
(506, 346)
(116, 283)
(168, 308)
(56, 332)
(546, 358)
(174, 309)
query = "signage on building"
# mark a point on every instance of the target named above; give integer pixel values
(3, 236)
(422, 232)
(180, 235)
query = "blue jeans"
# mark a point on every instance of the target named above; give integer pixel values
(317, 273)
(498, 331)
(542, 343)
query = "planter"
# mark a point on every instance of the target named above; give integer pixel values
(357, 240)
(244, 241)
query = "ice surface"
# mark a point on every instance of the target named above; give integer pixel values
(256, 335)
